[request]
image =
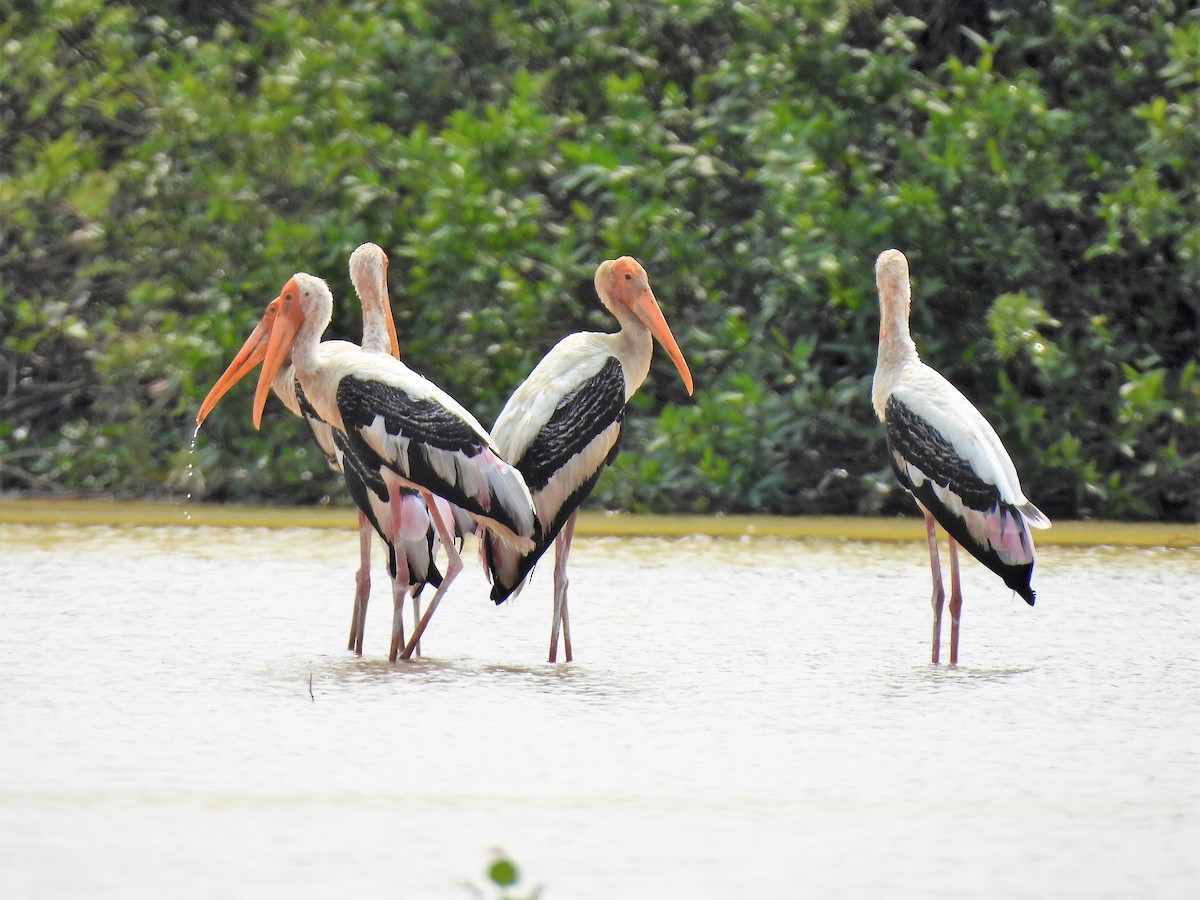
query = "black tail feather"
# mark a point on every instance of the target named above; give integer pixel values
(1017, 577)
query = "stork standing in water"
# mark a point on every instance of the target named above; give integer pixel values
(410, 537)
(563, 425)
(949, 458)
(398, 424)
(411, 548)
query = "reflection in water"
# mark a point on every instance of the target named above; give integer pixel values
(747, 717)
(956, 676)
(350, 670)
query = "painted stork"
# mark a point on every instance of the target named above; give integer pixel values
(409, 536)
(398, 422)
(563, 425)
(949, 458)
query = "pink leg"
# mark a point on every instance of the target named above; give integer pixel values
(399, 591)
(562, 546)
(939, 593)
(362, 584)
(416, 618)
(955, 602)
(453, 567)
(400, 582)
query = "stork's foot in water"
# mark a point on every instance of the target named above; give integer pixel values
(360, 617)
(359, 614)
(939, 593)
(566, 631)
(362, 584)
(562, 547)
(563, 621)
(454, 565)
(397, 634)
(352, 643)
(955, 602)
(416, 618)
(399, 592)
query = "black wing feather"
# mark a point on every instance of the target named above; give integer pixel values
(915, 439)
(426, 422)
(362, 480)
(912, 438)
(579, 416)
(431, 429)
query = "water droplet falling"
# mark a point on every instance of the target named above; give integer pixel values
(191, 466)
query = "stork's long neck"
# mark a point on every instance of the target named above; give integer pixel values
(372, 294)
(375, 334)
(895, 343)
(308, 336)
(896, 347)
(633, 345)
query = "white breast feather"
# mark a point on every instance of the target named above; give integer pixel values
(334, 360)
(284, 387)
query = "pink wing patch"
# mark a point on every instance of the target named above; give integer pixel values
(1008, 535)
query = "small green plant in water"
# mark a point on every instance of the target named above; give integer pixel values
(503, 877)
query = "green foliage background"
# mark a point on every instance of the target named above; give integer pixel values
(165, 166)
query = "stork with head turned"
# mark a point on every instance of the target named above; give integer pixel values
(563, 425)
(410, 536)
(947, 455)
(398, 423)
(410, 541)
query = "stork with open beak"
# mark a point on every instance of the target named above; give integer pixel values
(563, 425)
(405, 527)
(398, 423)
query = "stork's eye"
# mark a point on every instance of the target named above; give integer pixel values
(629, 276)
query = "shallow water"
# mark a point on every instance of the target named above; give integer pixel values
(745, 718)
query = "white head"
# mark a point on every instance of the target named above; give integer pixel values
(368, 267)
(891, 279)
(303, 298)
(368, 273)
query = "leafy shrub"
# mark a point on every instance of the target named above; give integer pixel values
(162, 174)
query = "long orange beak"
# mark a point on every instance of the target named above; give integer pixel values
(288, 320)
(387, 313)
(645, 307)
(251, 354)
(391, 328)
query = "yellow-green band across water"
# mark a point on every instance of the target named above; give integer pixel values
(113, 512)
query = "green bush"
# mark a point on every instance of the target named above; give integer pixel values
(165, 166)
